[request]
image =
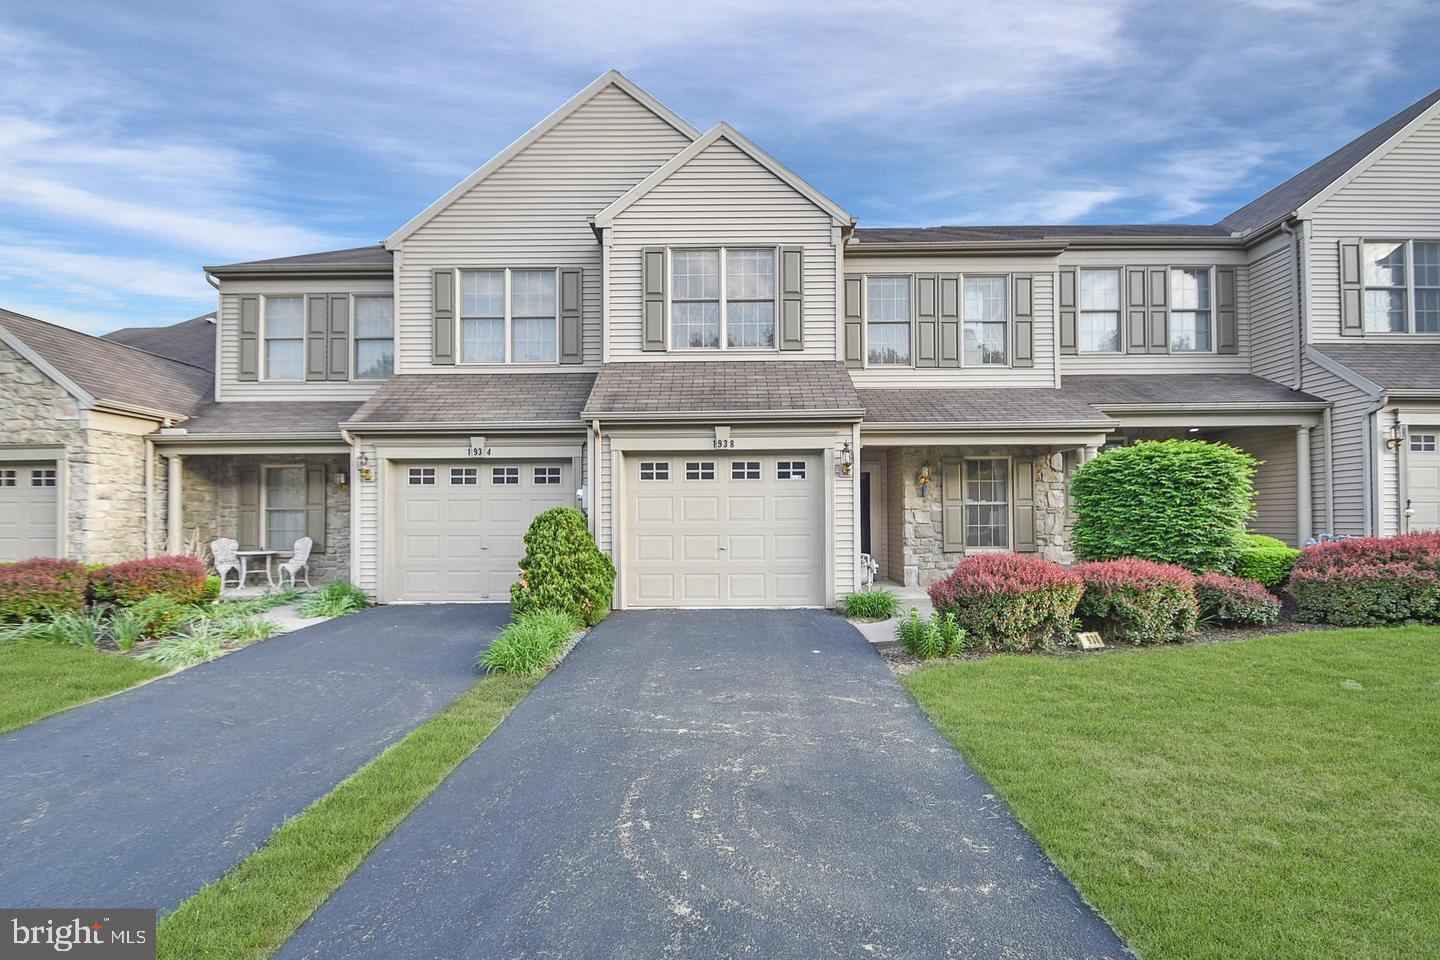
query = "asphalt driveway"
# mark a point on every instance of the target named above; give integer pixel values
(726, 784)
(140, 799)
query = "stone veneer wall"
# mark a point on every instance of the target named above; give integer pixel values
(926, 561)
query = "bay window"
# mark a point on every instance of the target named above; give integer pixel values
(508, 316)
(1099, 311)
(722, 298)
(374, 337)
(887, 320)
(285, 338)
(985, 314)
(1190, 310)
(1402, 277)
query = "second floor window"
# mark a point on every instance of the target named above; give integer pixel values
(722, 299)
(1402, 277)
(285, 338)
(1100, 311)
(887, 320)
(985, 321)
(1190, 313)
(508, 316)
(374, 337)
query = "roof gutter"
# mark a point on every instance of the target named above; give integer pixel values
(512, 426)
(748, 416)
(995, 426)
(303, 271)
(1123, 408)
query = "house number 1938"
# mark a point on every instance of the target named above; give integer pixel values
(724, 443)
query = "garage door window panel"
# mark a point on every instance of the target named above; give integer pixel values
(464, 476)
(790, 470)
(421, 476)
(505, 476)
(547, 476)
(700, 470)
(284, 506)
(7, 478)
(654, 470)
(745, 470)
(42, 478)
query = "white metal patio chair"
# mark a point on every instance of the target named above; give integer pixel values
(223, 551)
(299, 562)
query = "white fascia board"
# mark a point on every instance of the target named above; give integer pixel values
(1307, 209)
(46, 367)
(723, 131)
(609, 78)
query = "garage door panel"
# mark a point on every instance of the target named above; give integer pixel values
(701, 587)
(745, 547)
(654, 509)
(700, 510)
(796, 547)
(794, 587)
(791, 509)
(747, 587)
(656, 588)
(464, 511)
(746, 509)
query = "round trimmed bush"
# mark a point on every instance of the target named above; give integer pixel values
(1235, 600)
(1170, 501)
(563, 569)
(1138, 601)
(41, 588)
(180, 578)
(1369, 581)
(1010, 601)
(1265, 560)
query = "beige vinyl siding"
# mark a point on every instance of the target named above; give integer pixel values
(1349, 418)
(1143, 363)
(722, 197)
(532, 212)
(1275, 479)
(1397, 197)
(228, 385)
(1274, 334)
(1391, 509)
(1042, 374)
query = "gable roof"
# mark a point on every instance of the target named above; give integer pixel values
(1314, 182)
(368, 259)
(189, 341)
(611, 78)
(102, 372)
(722, 131)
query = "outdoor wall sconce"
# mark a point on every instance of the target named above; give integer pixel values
(847, 459)
(1395, 436)
(342, 479)
(924, 480)
(362, 463)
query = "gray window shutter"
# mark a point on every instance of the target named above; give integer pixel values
(247, 482)
(249, 339)
(1136, 310)
(1352, 296)
(317, 336)
(926, 321)
(572, 291)
(654, 268)
(338, 363)
(950, 321)
(1159, 309)
(1227, 333)
(854, 321)
(792, 298)
(952, 506)
(315, 505)
(442, 317)
(1022, 313)
(1067, 306)
(1025, 506)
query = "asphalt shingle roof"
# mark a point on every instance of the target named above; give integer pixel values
(269, 418)
(1183, 388)
(883, 235)
(372, 255)
(1019, 406)
(1392, 366)
(477, 398)
(722, 386)
(113, 371)
(189, 341)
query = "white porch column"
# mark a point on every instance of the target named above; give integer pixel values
(175, 523)
(1302, 485)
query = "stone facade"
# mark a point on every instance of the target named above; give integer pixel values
(925, 560)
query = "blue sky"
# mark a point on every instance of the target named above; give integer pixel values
(141, 140)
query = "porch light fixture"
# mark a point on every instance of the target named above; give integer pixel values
(1395, 436)
(342, 478)
(362, 464)
(847, 459)
(924, 480)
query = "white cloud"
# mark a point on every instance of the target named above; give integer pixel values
(104, 275)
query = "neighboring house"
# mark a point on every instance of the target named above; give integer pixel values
(746, 391)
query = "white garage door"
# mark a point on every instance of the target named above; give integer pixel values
(741, 530)
(460, 527)
(1422, 479)
(28, 504)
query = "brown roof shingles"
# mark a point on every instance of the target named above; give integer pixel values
(723, 386)
(1219, 389)
(266, 418)
(1021, 407)
(1407, 367)
(462, 398)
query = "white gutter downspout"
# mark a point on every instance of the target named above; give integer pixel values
(1297, 291)
(354, 492)
(1329, 471)
(592, 489)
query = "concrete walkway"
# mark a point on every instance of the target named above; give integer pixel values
(140, 799)
(704, 785)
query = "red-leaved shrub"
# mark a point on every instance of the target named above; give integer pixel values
(41, 588)
(1235, 600)
(180, 578)
(1010, 601)
(1366, 581)
(1138, 601)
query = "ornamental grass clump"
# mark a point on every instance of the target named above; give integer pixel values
(1138, 601)
(531, 645)
(1235, 601)
(876, 603)
(1010, 601)
(1369, 581)
(335, 599)
(563, 569)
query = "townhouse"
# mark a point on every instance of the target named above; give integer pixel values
(744, 389)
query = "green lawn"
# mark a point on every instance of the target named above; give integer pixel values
(38, 679)
(1225, 801)
(253, 909)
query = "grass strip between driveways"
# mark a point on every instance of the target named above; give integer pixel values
(252, 910)
(1276, 798)
(38, 679)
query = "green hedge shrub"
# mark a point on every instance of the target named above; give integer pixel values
(1137, 601)
(179, 578)
(1170, 501)
(41, 588)
(1235, 600)
(1010, 601)
(563, 569)
(1265, 560)
(531, 644)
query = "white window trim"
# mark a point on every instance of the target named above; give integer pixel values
(1170, 309)
(1009, 505)
(264, 359)
(1409, 330)
(509, 361)
(355, 341)
(865, 320)
(1119, 310)
(265, 469)
(1009, 282)
(724, 299)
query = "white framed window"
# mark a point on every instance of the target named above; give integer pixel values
(464, 476)
(1191, 317)
(654, 470)
(745, 470)
(790, 470)
(1423, 443)
(1099, 311)
(283, 491)
(505, 476)
(700, 470)
(1402, 286)
(987, 503)
(421, 477)
(750, 299)
(509, 316)
(284, 324)
(887, 321)
(42, 477)
(374, 337)
(985, 314)
(7, 478)
(547, 476)
(722, 298)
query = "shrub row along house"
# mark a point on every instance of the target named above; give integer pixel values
(743, 389)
